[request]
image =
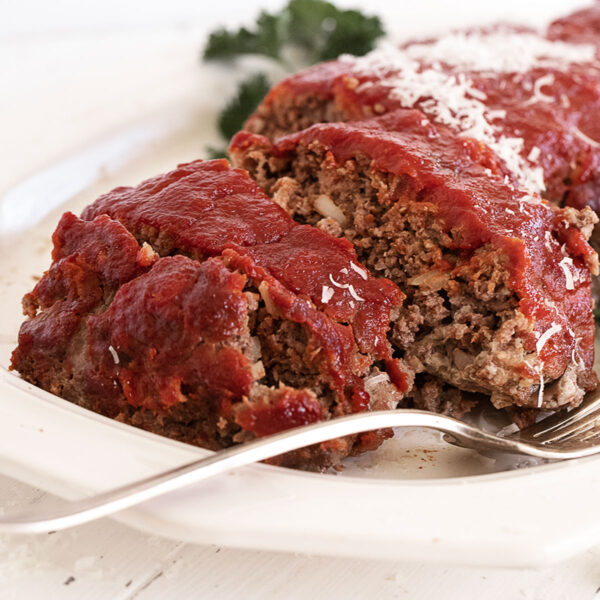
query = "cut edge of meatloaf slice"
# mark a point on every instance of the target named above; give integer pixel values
(300, 101)
(497, 282)
(219, 348)
(205, 208)
(483, 83)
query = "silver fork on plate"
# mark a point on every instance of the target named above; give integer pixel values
(563, 436)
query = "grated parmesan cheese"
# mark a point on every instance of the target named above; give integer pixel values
(326, 294)
(354, 294)
(575, 356)
(564, 264)
(450, 99)
(588, 140)
(538, 95)
(114, 354)
(534, 154)
(342, 286)
(362, 272)
(428, 76)
(501, 51)
(555, 328)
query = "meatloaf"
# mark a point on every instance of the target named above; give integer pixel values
(497, 280)
(444, 161)
(193, 306)
(214, 304)
(532, 98)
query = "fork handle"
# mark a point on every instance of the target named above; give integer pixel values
(111, 501)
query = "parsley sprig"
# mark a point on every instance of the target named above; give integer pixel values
(318, 29)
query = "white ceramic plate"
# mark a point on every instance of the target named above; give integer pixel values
(415, 498)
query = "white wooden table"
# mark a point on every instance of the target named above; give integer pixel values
(71, 73)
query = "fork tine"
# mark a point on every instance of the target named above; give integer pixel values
(550, 428)
(587, 434)
(574, 431)
(587, 439)
(590, 435)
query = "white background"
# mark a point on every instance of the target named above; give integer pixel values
(73, 73)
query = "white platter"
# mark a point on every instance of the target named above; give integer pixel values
(414, 499)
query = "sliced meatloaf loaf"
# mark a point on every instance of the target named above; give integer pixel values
(497, 280)
(534, 102)
(461, 169)
(193, 306)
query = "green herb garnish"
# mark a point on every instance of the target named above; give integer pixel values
(249, 94)
(317, 28)
(265, 40)
(321, 29)
(325, 31)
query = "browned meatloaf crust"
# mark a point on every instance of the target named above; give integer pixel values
(195, 307)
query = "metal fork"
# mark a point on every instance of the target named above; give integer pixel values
(563, 436)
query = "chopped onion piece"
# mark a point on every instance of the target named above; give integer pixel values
(358, 269)
(325, 206)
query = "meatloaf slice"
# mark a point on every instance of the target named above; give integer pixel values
(497, 280)
(533, 101)
(218, 324)
(582, 26)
